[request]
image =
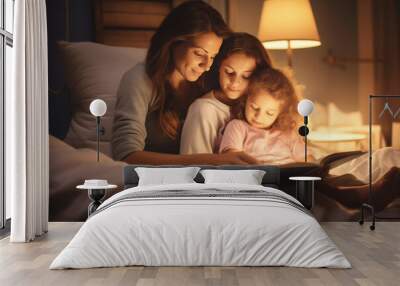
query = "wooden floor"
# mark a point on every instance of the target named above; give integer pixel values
(375, 257)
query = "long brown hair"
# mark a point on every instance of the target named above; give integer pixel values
(182, 24)
(237, 43)
(280, 87)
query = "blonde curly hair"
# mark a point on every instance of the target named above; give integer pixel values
(280, 87)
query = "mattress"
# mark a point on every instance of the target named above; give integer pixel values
(201, 225)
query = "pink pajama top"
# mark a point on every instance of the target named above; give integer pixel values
(268, 146)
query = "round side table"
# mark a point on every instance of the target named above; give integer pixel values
(96, 194)
(305, 190)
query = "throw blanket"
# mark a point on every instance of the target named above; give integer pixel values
(383, 160)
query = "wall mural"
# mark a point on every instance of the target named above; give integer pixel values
(196, 93)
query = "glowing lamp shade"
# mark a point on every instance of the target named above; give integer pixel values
(288, 24)
(305, 107)
(98, 107)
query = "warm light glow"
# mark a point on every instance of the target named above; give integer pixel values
(294, 44)
(284, 21)
(335, 136)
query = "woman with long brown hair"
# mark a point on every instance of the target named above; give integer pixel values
(153, 98)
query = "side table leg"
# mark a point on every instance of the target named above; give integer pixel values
(305, 193)
(95, 195)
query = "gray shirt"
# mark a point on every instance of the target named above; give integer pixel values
(136, 118)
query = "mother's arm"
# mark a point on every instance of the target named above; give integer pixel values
(134, 98)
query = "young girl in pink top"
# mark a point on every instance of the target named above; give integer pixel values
(267, 124)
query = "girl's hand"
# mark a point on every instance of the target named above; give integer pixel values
(237, 158)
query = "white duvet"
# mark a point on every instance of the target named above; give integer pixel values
(182, 231)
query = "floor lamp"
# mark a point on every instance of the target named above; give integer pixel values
(288, 25)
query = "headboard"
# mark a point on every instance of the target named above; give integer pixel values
(129, 23)
(271, 177)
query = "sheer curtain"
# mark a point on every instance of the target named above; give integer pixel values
(27, 124)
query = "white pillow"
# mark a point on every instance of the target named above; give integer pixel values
(248, 177)
(93, 71)
(163, 176)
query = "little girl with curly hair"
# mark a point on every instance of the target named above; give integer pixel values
(266, 126)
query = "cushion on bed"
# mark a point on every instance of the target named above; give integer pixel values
(94, 71)
(163, 176)
(248, 177)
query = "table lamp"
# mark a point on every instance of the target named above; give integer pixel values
(305, 108)
(98, 108)
(287, 25)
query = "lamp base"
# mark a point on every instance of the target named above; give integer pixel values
(303, 130)
(95, 196)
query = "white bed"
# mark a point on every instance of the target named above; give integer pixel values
(201, 224)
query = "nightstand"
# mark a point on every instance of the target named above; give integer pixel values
(305, 187)
(96, 192)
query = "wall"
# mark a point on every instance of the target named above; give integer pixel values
(337, 26)
(81, 28)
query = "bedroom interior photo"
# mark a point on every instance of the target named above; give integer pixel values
(199, 142)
